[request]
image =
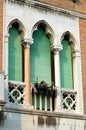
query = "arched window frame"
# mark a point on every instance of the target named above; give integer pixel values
(77, 75)
(21, 30)
(49, 33)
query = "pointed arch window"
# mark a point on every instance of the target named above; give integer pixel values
(66, 65)
(15, 54)
(40, 56)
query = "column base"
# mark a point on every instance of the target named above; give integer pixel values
(28, 106)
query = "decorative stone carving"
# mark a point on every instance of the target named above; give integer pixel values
(69, 100)
(56, 48)
(27, 42)
(16, 92)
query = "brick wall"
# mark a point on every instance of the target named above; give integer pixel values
(1, 31)
(83, 55)
(80, 5)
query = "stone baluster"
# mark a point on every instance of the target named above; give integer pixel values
(50, 103)
(40, 102)
(45, 101)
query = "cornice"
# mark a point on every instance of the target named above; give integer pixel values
(44, 6)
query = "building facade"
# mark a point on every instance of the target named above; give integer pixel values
(42, 65)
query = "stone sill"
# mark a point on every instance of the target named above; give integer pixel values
(27, 110)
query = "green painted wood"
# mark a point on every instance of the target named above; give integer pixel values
(15, 55)
(38, 101)
(66, 66)
(40, 57)
(48, 102)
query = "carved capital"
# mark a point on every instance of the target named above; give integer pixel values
(56, 48)
(27, 42)
(76, 53)
(6, 37)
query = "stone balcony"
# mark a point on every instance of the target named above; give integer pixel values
(42, 99)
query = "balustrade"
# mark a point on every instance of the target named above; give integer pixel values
(16, 92)
(42, 99)
(69, 99)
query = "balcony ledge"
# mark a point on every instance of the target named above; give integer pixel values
(23, 110)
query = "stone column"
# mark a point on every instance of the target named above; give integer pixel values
(26, 44)
(56, 49)
(5, 64)
(2, 94)
(78, 79)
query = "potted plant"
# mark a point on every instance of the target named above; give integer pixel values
(43, 88)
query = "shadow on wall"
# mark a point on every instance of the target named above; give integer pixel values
(2, 118)
(49, 121)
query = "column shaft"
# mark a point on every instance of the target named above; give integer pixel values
(57, 81)
(26, 43)
(27, 73)
(56, 49)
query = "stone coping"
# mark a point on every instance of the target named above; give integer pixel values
(27, 110)
(44, 6)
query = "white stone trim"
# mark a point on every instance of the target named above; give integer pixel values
(27, 42)
(58, 22)
(44, 6)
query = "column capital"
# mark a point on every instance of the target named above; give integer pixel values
(56, 48)
(26, 42)
(6, 37)
(76, 53)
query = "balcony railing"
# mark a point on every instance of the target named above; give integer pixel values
(16, 92)
(42, 99)
(69, 99)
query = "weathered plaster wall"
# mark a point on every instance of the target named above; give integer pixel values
(28, 17)
(1, 33)
(26, 121)
(79, 5)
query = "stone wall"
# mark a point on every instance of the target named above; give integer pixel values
(29, 120)
(79, 5)
(57, 25)
(83, 54)
(1, 33)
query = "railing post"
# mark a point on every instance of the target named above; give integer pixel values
(50, 103)
(40, 102)
(45, 101)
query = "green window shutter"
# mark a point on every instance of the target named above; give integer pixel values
(66, 66)
(40, 57)
(15, 55)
